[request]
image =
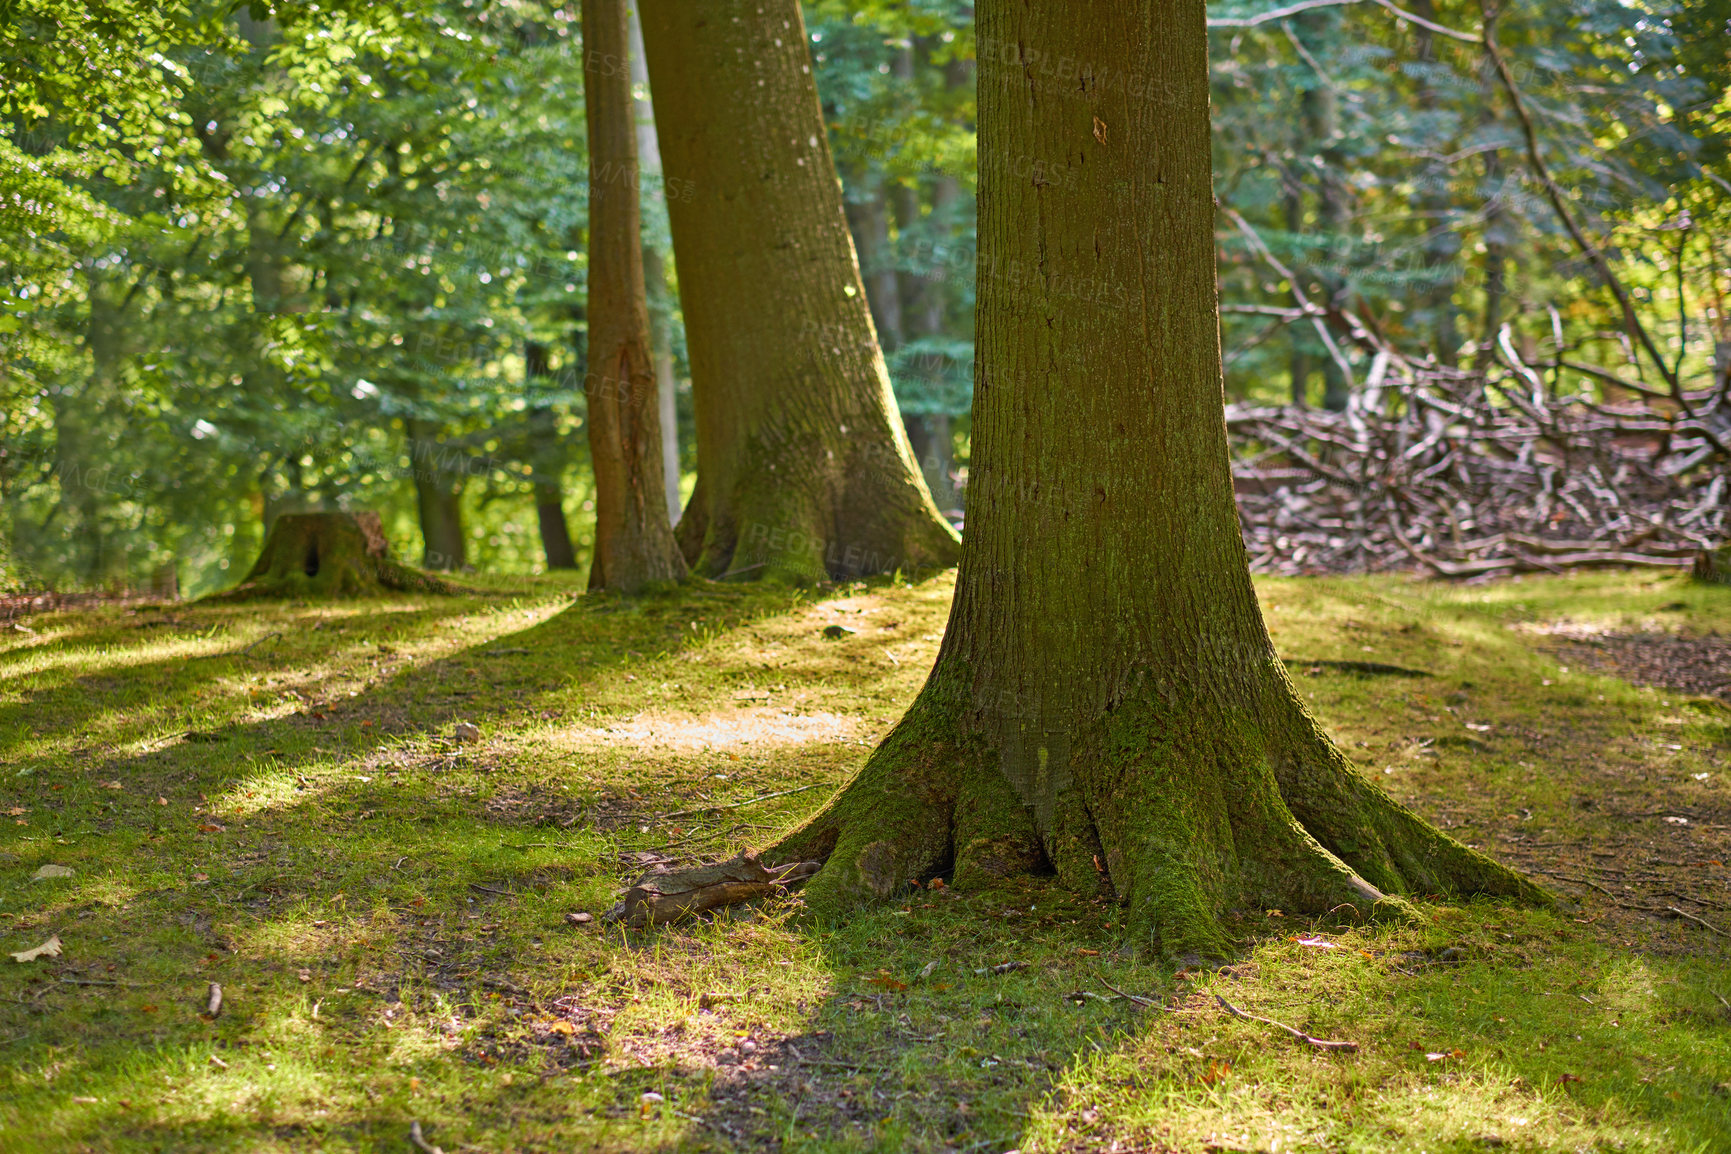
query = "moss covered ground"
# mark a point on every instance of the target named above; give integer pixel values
(277, 799)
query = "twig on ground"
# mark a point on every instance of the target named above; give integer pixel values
(1137, 998)
(1573, 880)
(1319, 1043)
(1698, 921)
(419, 1141)
(214, 1006)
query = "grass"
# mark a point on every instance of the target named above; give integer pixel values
(272, 798)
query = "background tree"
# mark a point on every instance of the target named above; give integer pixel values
(1107, 698)
(803, 468)
(634, 543)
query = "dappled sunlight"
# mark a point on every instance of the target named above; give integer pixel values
(385, 907)
(759, 727)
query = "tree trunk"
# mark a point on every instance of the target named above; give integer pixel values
(661, 350)
(655, 278)
(1442, 243)
(634, 545)
(547, 469)
(1299, 364)
(438, 470)
(869, 222)
(803, 470)
(1107, 701)
(330, 555)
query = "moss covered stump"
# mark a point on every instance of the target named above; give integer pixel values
(331, 555)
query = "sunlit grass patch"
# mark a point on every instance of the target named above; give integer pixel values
(420, 880)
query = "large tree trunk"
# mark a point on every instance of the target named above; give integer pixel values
(1107, 700)
(547, 467)
(634, 544)
(803, 470)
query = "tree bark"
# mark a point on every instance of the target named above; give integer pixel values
(803, 469)
(438, 472)
(1107, 702)
(634, 545)
(329, 555)
(547, 469)
(655, 278)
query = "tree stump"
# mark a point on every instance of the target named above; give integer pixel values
(331, 555)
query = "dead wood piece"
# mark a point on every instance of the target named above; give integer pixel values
(214, 1006)
(419, 1140)
(663, 895)
(1319, 1043)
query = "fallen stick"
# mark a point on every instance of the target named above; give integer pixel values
(419, 1142)
(1698, 921)
(734, 804)
(1137, 998)
(214, 1007)
(1319, 1043)
(662, 895)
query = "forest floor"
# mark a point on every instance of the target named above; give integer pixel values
(273, 798)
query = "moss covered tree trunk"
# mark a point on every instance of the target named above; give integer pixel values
(803, 470)
(634, 543)
(1107, 701)
(330, 555)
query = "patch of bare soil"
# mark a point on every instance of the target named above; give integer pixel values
(1697, 665)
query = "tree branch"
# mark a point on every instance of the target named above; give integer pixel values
(1554, 193)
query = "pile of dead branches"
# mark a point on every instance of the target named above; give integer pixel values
(1468, 473)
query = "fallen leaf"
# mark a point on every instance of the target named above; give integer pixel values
(162, 801)
(467, 731)
(561, 1027)
(305, 975)
(885, 982)
(1089, 953)
(51, 871)
(580, 918)
(210, 827)
(16, 810)
(48, 949)
(1217, 1072)
(112, 785)
(928, 968)
(1318, 943)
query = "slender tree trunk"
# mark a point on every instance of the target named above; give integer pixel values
(803, 469)
(80, 456)
(1442, 247)
(547, 468)
(655, 278)
(634, 543)
(439, 494)
(869, 220)
(1299, 365)
(1106, 698)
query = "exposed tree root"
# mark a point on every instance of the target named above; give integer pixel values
(1179, 822)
